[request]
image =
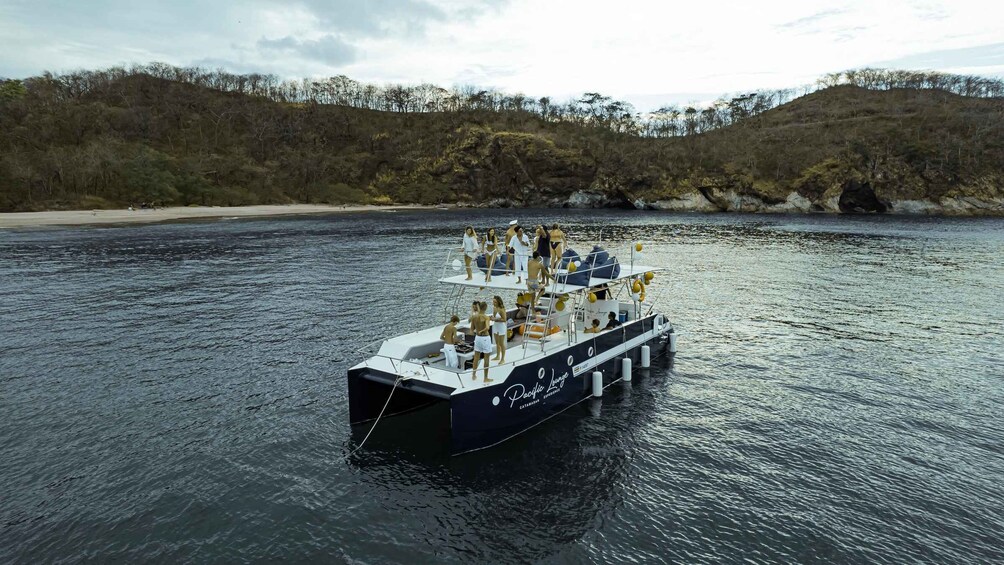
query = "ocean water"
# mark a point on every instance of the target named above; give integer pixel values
(176, 393)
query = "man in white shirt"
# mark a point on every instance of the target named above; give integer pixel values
(521, 247)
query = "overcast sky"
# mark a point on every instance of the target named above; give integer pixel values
(647, 52)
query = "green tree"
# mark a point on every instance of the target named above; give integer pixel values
(11, 90)
(148, 179)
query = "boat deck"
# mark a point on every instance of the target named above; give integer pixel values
(413, 356)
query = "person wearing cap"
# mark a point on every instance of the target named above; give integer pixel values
(509, 233)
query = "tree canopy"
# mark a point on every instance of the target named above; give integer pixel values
(170, 135)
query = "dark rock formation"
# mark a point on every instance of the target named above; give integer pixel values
(859, 198)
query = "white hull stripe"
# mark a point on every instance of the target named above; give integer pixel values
(614, 352)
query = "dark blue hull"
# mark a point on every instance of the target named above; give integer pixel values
(530, 395)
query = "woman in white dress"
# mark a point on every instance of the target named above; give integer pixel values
(499, 327)
(521, 246)
(470, 249)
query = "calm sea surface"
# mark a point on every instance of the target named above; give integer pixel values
(177, 392)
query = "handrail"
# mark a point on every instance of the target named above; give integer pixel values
(365, 348)
(396, 364)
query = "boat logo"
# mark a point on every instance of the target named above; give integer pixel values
(528, 397)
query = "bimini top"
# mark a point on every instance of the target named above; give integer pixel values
(596, 269)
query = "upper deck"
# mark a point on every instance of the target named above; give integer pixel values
(508, 282)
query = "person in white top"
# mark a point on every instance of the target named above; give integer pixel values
(506, 252)
(499, 328)
(471, 249)
(520, 245)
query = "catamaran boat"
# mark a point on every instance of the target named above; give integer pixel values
(551, 363)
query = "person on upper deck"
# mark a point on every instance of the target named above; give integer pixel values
(543, 245)
(594, 329)
(557, 239)
(470, 249)
(520, 246)
(491, 252)
(449, 337)
(508, 250)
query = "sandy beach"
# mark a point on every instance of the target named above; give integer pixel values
(87, 217)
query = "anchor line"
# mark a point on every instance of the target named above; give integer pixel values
(377, 421)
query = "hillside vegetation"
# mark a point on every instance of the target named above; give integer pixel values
(110, 139)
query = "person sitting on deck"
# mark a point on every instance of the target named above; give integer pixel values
(593, 330)
(449, 337)
(612, 322)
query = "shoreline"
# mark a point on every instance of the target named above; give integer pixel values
(57, 218)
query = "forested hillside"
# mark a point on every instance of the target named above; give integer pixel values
(861, 141)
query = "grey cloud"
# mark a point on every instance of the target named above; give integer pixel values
(977, 56)
(484, 75)
(374, 17)
(329, 49)
(817, 23)
(380, 17)
(811, 21)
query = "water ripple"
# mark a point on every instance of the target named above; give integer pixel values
(176, 392)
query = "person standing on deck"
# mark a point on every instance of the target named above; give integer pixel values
(499, 327)
(537, 278)
(520, 246)
(482, 341)
(449, 337)
(470, 249)
(491, 252)
(509, 252)
(557, 245)
(543, 246)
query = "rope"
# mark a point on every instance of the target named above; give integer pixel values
(377, 421)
